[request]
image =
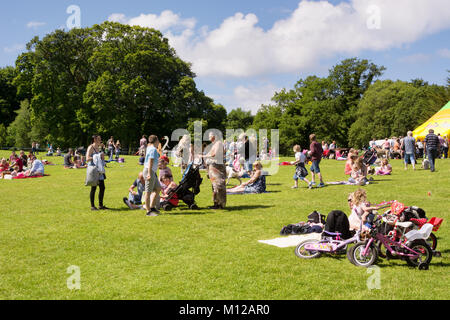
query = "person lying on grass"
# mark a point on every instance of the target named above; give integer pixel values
(134, 200)
(361, 210)
(256, 184)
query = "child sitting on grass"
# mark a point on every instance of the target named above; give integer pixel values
(167, 186)
(4, 167)
(361, 210)
(163, 168)
(300, 172)
(350, 162)
(385, 169)
(359, 173)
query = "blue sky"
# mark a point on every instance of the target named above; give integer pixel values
(244, 51)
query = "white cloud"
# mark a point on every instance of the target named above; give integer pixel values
(35, 24)
(14, 48)
(251, 98)
(444, 53)
(248, 97)
(313, 31)
(165, 21)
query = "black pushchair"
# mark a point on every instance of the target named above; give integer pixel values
(188, 188)
(370, 157)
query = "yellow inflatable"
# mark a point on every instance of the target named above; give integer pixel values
(440, 122)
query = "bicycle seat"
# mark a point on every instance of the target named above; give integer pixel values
(423, 233)
(407, 224)
(333, 233)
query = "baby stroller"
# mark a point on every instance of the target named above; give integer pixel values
(188, 188)
(370, 157)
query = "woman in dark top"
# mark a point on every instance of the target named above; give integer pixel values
(93, 150)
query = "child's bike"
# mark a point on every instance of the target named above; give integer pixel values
(397, 213)
(412, 247)
(331, 243)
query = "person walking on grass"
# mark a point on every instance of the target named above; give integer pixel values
(432, 145)
(316, 153)
(152, 186)
(409, 146)
(300, 170)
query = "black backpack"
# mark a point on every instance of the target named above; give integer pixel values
(316, 217)
(337, 221)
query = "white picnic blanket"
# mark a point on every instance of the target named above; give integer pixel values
(291, 241)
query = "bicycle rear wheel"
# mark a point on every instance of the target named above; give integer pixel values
(425, 256)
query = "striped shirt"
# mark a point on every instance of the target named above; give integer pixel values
(432, 141)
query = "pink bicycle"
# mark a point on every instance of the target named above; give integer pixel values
(412, 247)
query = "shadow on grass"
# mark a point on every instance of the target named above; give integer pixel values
(248, 207)
(184, 210)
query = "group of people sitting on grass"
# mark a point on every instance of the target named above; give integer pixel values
(359, 171)
(74, 160)
(21, 166)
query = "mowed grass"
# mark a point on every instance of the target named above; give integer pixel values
(46, 225)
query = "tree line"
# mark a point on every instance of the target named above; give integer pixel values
(123, 81)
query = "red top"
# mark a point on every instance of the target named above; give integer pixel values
(4, 167)
(19, 163)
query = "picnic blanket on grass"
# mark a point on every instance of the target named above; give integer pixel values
(291, 241)
(343, 183)
(23, 177)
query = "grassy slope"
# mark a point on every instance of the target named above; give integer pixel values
(46, 225)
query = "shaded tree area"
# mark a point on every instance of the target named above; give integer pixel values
(110, 79)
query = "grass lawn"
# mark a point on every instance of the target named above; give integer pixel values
(46, 225)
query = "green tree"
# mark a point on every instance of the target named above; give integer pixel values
(393, 108)
(110, 79)
(239, 119)
(324, 106)
(20, 130)
(9, 101)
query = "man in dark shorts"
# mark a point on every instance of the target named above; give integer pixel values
(316, 153)
(432, 146)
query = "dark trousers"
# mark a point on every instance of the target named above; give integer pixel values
(101, 194)
(432, 155)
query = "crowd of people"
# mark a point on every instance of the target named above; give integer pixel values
(223, 161)
(408, 148)
(218, 158)
(21, 166)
